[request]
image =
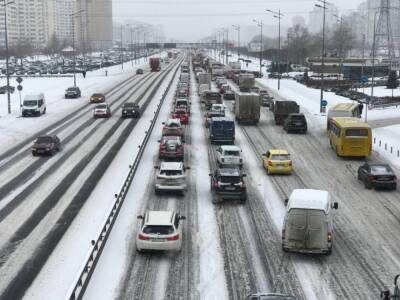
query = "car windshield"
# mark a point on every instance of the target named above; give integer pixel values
(71, 89)
(30, 102)
(297, 118)
(180, 112)
(280, 157)
(173, 142)
(174, 125)
(44, 140)
(129, 105)
(97, 95)
(230, 179)
(159, 230)
(231, 152)
(216, 114)
(171, 172)
(101, 106)
(357, 132)
(380, 169)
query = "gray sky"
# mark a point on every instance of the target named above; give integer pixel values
(191, 20)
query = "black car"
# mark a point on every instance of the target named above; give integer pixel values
(377, 175)
(47, 144)
(139, 71)
(228, 183)
(229, 95)
(130, 109)
(295, 123)
(72, 92)
(270, 296)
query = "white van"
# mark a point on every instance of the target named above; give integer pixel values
(308, 223)
(33, 105)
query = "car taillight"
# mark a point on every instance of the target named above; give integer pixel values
(270, 163)
(290, 163)
(143, 237)
(283, 234)
(371, 177)
(330, 237)
(216, 184)
(173, 238)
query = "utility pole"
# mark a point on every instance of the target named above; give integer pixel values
(131, 46)
(122, 53)
(226, 46)
(324, 7)
(237, 27)
(373, 59)
(7, 54)
(278, 15)
(73, 16)
(260, 24)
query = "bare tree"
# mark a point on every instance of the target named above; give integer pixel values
(341, 40)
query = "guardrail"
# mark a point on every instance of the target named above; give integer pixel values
(383, 105)
(98, 246)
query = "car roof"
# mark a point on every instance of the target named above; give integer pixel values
(230, 148)
(229, 172)
(171, 166)
(169, 121)
(278, 151)
(309, 199)
(157, 217)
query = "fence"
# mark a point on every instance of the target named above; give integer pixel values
(387, 148)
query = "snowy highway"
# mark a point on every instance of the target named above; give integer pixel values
(52, 208)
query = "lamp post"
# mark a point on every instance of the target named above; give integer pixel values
(373, 62)
(131, 46)
(260, 24)
(237, 27)
(7, 54)
(73, 16)
(278, 15)
(340, 21)
(324, 7)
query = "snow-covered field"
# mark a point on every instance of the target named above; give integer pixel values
(14, 128)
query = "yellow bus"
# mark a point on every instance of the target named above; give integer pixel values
(348, 110)
(350, 137)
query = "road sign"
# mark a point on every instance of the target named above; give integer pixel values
(364, 79)
(324, 103)
(19, 79)
(19, 87)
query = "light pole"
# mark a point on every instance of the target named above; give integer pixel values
(237, 27)
(73, 16)
(324, 7)
(131, 46)
(121, 50)
(278, 15)
(260, 24)
(7, 54)
(373, 64)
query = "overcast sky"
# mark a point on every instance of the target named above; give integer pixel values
(190, 20)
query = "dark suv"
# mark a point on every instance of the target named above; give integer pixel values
(130, 109)
(375, 175)
(295, 123)
(228, 183)
(47, 144)
(72, 92)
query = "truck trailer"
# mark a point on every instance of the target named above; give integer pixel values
(155, 64)
(246, 82)
(247, 108)
(281, 110)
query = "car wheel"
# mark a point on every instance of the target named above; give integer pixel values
(329, 252)
(214, 199)
(368, 185)
(358, 176)
(34, 153)
(44, 112)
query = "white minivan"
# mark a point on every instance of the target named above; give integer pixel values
(33, 105)
(308, 223)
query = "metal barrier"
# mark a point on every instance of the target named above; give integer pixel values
(98, 246)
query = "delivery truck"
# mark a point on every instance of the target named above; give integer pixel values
(247, 108)
(246, 82)
(155, 64)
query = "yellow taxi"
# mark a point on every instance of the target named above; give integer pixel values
(277, 161)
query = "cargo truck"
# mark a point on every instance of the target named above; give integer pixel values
(222, 130)
(246, 82)
(155, 64)
(211, 97)
(247, 108)
(204, 78)
(282, 109)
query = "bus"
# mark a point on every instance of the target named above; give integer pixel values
(349, 110)
(350, 137)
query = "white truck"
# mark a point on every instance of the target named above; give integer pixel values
(204, 78)
(203, 88)
(247, 107)
(246, 82)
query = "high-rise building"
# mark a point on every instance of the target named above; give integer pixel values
(12, 29)
(94, 25)
(315, 21)
(58, 22)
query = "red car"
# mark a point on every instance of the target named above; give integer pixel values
(182, 114)
(171, 147)
(172, 128)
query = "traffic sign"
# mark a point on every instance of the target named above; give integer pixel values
(19, 79)
(324, 103)
(364, 79)
(19, 87)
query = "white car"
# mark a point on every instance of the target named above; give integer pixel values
(160, 230)
(102, 111)
(171, 177)
(229, 156)
(218, 108)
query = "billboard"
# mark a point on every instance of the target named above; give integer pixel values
(169, 45)
(153, 45)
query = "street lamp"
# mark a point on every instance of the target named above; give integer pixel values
(278, 15)
(73, 16)
(373, 64)
(324, 7)
(340, 21)
(237, 27)
(223, 31)
(260, 24)
(7, 54)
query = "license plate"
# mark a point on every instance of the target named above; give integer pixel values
(158, 240)
(230, 188)
(280, 165)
